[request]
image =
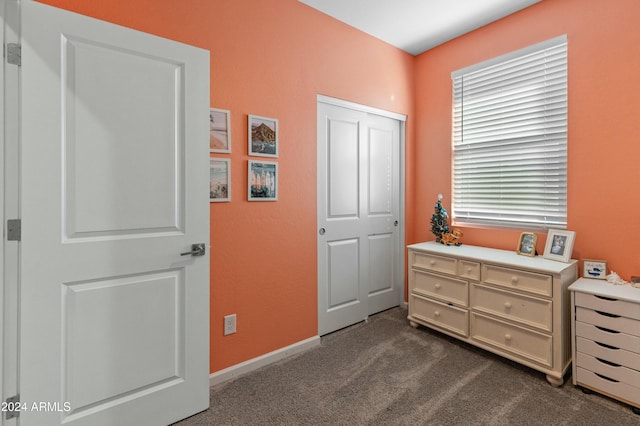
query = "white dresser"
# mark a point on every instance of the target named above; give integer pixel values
(515, 306)
(606, 339)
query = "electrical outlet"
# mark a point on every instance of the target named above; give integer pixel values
(229, 324)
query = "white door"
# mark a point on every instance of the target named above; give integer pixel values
(114, 322)
(359, 237)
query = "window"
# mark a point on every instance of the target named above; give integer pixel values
(510, 139)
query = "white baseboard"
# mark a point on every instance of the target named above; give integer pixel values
(266, 359)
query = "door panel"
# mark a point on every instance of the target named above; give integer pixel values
(381, 250)
(344, 273)
(358, 206)
(342, 293)
(343, 140)
(115, 307)
(114, 321)
(100, 164)
(383, 213)
(380, 172)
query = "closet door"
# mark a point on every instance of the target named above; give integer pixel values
(358, 215)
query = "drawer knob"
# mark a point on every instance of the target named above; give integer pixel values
(437, 286)
(469, 270)
(436, 313)
(507, 337)
(432, 262)
(514, 279)
(507, 305)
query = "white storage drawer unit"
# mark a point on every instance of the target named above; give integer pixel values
(606, 339)
(515, 306)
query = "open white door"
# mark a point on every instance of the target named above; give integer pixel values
(114, 322)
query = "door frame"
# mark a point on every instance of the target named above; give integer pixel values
(402, 119)
(9, 202)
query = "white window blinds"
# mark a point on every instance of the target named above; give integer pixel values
(510, 139)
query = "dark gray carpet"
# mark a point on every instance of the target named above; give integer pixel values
(383, 372)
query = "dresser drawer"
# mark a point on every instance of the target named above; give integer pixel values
(609, 305)
(610, 370)
(608, 353)
(609, 321)
(524, 343)
(532, 311)
(608, 337)
(624, 391)
(435, 263)
(516, 279)
(445, 316)
(468, 269)
(441, 287)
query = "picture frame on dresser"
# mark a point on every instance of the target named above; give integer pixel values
(527, 244)
(559, 245)
(594, 269)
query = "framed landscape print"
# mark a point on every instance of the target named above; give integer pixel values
(263, 181)
(263, 136)
(559, 245)
(219, 180)
(219, 130)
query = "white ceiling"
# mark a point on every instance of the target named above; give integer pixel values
(418, 25)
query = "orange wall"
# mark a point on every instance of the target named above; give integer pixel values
(604, 123)
(273, 58)
(270, 58)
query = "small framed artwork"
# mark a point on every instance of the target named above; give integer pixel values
(594, 269)
(219, 130)
(219, 180)
(559, 245)
(527, 244)
(263, 136)
(263, 181)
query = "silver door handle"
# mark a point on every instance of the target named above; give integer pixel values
(322, 231)
(196, 250)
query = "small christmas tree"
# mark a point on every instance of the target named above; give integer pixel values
(439, 225)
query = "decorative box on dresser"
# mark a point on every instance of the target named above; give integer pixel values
(606, 339)
(512, 305)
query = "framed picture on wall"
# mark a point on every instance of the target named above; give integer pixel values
(219, 180)
(219, 130)
(594, 269)
(262, 181)
(559, 245)
(527, 244)
(263, 136)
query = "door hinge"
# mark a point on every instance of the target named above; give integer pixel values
(12, 406)
(14, 54)
(14, 230)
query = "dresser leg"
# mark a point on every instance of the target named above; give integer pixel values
(586, 391)
(413, 324)
(554, 381)
(636, 410)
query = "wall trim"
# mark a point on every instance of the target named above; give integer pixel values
(253, 364)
